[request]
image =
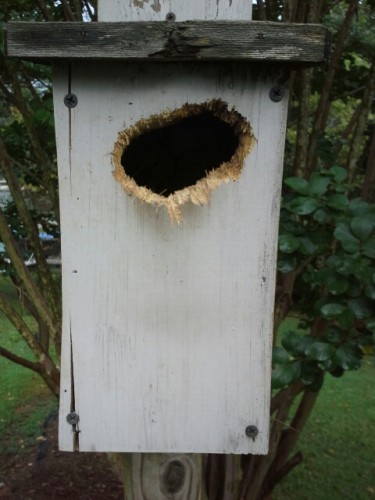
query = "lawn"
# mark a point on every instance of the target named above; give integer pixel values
(25, 401)
(338, 443)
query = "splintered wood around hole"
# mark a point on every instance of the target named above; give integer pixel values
(180, 156)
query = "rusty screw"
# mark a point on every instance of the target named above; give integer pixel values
(70, 100)
(252, 431)
(72, 418)
(171, 16)
(277, 93)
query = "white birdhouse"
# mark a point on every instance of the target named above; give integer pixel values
(170, 134)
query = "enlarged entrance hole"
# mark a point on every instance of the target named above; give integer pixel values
(182, 155)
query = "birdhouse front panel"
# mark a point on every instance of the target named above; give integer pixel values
(170, 183)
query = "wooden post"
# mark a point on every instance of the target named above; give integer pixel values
(165, 476)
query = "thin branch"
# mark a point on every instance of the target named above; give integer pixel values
(291, 435)
(43, 8)
(78, 9)
(302, 140)
(361, 124)
(369, 180)
(20, 361)
(8, 93)
(283, 472)
(25, 276)
(68, 11)
(47, 284)
(47, 370)
(88, 10)
(35, 142)
(261, 11)
(346, 133)
(323, 108)
(278, 398)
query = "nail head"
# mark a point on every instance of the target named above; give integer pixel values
(72, 418)
(70, 100)
(277, 93)
(252, 431)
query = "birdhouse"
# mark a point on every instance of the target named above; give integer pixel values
(170, 125)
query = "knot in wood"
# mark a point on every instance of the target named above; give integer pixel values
(173, 477)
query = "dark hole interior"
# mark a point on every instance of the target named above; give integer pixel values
(176, 156)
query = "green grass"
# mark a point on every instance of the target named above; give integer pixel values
(338, 442)
(25, 401)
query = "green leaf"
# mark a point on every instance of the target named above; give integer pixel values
(295, 343)
(362, 227)
(333, 335)
(327, 364)
(368, 248)
(361, 307)
(332, 310)
(318, 184)
(354, 290)
(321, 216)
(279, 355)
(319, 351)
(339, 173)
(338, 201)
(337, 284)
(370, 324)
(348, 356)
(346, 319)
(342, 265)
(358, 207)
(288, 243)
(296, 367)
(282, 375)
(370, 292)
(302, 205)
(299, 185)
(308, 372)
(285, 263)
(307, 246)
(343, 234)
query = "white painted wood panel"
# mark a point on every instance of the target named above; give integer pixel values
(171, 326)
(157, 10)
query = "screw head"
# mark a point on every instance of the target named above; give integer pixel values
(252, 431)
(277, 93)
(171, 16)
(72, 418)
(70, 100)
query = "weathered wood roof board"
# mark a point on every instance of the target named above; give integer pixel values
(163, 41)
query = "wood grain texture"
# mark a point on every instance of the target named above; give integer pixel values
(156, 476)
(170, 326)
(166, 41)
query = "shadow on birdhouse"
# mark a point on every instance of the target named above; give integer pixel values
(182, 155)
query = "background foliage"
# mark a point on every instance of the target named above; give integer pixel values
(326, 267)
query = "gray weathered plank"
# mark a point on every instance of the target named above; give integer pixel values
(160, 41)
